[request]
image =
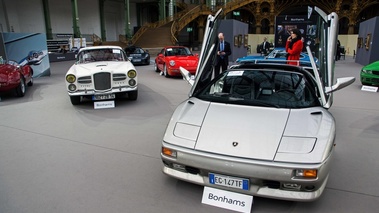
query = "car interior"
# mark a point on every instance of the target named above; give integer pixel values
(279, 88)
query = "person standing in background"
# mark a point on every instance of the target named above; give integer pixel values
(338, 51)
(223, 51)
(294, 46)
(265, 46)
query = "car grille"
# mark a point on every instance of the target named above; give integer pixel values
(375, 72)
(102, 81)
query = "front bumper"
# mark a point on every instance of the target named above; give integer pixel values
(93, 92)
(266, 179)
(369, 79)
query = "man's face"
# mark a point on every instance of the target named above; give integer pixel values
(221, 37)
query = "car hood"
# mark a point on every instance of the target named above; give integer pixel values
(260, 133)
(106, 66)
(184, 60)
(249, 58)
(372, 66)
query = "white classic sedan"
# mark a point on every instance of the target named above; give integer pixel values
(101, 73)
(257, 129)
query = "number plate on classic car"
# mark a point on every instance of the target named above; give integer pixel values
(228, 181)
(103, 97)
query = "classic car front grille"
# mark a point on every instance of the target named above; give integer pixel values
(102, 81)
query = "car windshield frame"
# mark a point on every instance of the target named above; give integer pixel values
(271, 87)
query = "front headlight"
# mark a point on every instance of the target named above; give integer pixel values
(70, 78)
(169, 152)
(306, 173)
(72, 87)
(367, 71)
(172, 63)
(132, 73)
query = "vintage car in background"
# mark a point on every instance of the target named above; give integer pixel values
(15, 77)
(101, 73)
(257, 129)
(171, 58)
(370, 74)
(277, 55)
(137, 55)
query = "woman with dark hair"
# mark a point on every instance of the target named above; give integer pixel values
(294, 46)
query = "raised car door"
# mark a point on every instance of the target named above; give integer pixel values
(204, 71)
(327, 26)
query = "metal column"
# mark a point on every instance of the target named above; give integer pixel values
(46, 13)
(102, 21)
(127, 21)
(75, 19)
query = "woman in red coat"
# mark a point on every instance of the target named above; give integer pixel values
(294, 46)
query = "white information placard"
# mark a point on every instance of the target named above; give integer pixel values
(227, 200)
(369, 88)
(103, 104)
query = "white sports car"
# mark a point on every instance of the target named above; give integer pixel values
(257, 129)
(101, 73)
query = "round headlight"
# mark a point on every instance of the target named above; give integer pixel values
(132, 74)
(71, 87)
(132, 82)
(172, 63)
(70, 78)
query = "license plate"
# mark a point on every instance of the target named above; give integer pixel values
(228, 181)
(136, 60)
(103, 97)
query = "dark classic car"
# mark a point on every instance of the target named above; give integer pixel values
(14, 77)
(171, 58)
(137, 55)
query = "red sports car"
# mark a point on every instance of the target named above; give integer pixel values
(15, 77)
(171, 58)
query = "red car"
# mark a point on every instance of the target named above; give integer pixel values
(171, 58)
(15, 77)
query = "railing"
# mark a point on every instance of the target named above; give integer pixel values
(157, 24)
(202, 9)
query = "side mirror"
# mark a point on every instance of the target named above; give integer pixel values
(341, 83)
(187, 76)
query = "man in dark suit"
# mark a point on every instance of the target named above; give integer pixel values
(223, 51)
(265, 46)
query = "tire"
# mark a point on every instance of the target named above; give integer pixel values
(30, 83)
(156, 67)
(75, 100)
(21, 88)
(133, 95)
(165, 73)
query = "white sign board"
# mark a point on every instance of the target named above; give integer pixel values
(369, 89)
(227, 200)
(103, 104)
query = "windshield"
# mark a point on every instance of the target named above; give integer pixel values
(92, 55)
(262, 87)
(175, 51)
